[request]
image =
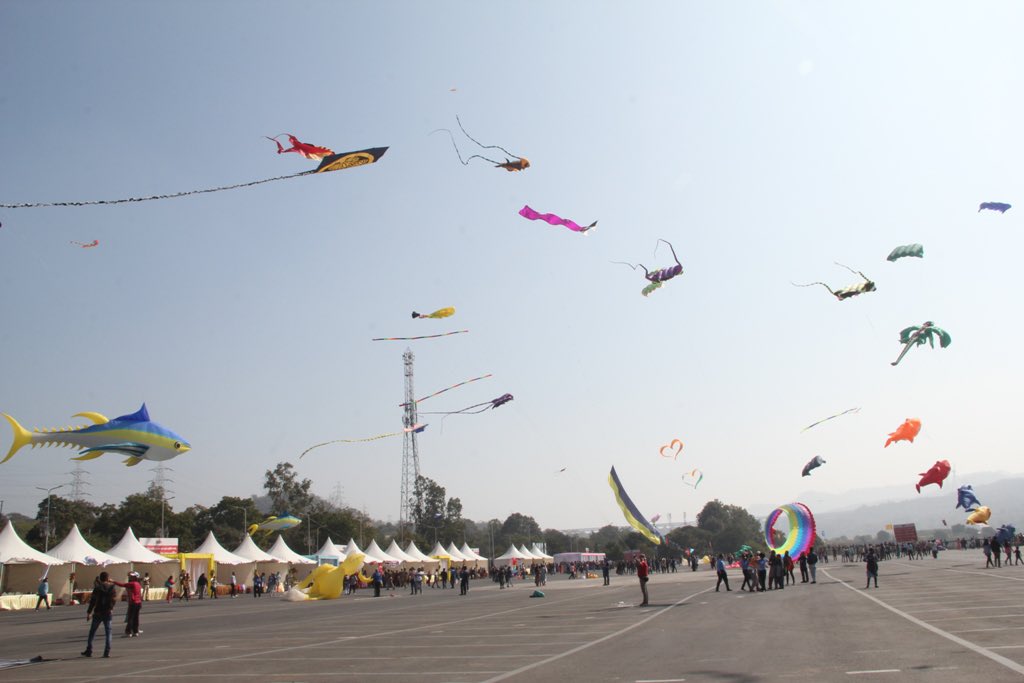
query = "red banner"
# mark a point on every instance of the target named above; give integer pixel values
(905, 533)
(161, 546)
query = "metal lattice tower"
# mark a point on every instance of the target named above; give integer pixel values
(78, 482)
(410, 450)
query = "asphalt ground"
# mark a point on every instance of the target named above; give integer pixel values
(930, 620)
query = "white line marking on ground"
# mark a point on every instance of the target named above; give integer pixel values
(1008, 663)
(660, 680)
(516, 672)
(874, 671)
(982, 630)
(983, 573)
(1005, 647)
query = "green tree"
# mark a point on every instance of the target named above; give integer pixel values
(287, 493)
(557, 541)
(729, 526)
(519, 529)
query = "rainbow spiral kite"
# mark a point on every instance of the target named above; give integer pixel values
(801, 529)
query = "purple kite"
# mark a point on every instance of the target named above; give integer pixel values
(527, 212)
(478, 408)
(994, 206)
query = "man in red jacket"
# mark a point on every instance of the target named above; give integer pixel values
(641, 573)
(133, 590)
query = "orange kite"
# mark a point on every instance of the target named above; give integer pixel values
(905, 432)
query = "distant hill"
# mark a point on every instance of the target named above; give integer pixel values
(879, 507)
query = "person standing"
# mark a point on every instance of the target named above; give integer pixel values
(234, 585)
(201, 584)
(169, 587)
(43, 591)
(145, 586)
(872, 568)
(996, 556)
(378, 581)
(987, 549)
(464, 581)
(787, 567)
(642, 571)
(213, 585)
(812, 565)
(803, 567)
(722, 574)
(133, 590)
(101, 611)
(606, 572)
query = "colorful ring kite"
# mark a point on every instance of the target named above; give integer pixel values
(801, 529)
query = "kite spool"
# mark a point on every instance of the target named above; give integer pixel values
(801, 529)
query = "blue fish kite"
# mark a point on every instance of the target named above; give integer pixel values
(1006, 534)
(132, 435)
(274, 523)
(966, 499)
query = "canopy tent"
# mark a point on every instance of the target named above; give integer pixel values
(265, 562)
(396, 552)
(439, 553)
(352, 547)
(477, 558)
(22, 566)
(373, 553)
(86, 561)
(281, 551)
(139, 557)
(331, 551)
(510, 556)
(540, 553)
(228, 563)
(412, 551)
(532, 558)
(458, 557)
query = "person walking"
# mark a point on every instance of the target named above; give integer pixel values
(987, 549)
(872, 568)
(762, 572)
(101, 611)
(787, 566)
(201, 584)
(722, 574)
(169, 587)
(642, 571)
(812, 565)
(43, 591)
(133, 591)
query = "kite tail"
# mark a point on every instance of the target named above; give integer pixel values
(456, 147)
(918, 487)
(811, 284)
(484, 146)
(22, 437)
(903, 353)
(280, 149)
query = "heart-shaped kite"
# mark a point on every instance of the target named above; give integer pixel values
(675, 444)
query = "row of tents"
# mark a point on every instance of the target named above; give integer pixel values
(21, 566)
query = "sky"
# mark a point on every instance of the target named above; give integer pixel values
(764, 141)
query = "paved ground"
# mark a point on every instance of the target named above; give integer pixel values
(930, 620)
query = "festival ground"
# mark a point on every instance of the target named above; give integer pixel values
(930, 620)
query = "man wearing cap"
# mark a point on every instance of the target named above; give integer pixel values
(133, 590)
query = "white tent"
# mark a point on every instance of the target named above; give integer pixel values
(412, 551)
(396, 552)
(328, 549)
(281, 551)
(480, 560)
(21, 567)
(373, 554)
(540, 553)
(439, 553)
(87, 562)
(139, 557)
(511, 556)
(532, 558)
(265, 562)
(227, 562)
(457, 555)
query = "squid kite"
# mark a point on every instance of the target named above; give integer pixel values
(660, 276)
(915, 250)
(846, 292)
(905, 432)
(936, 474)
(334, 162)
(918, 335)
(439, 313)
(674, 447)
(552, 219)
(980, 516)
(273, 523)
(85, 245)
(633, 516)
(693, 478)
(416, 428)
(830, 417)
(510, 165)
(478, 408)
(966, 499)
(816, 462)
(994, 206)
(309, 151)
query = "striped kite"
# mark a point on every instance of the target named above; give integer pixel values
(633, 516)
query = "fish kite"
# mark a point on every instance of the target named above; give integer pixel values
(994, 206)
(695, 476)
(454, 386)
(422, 336)
(905, 432)
(439, 313)
(134, 435)
(966, 499)
(334, 162)
(830, 417)
(273, 523)
(478, 408)
(552, 219)
(660, 276)
(915, 250)
(846, 292)
(936, 474)
(519, 164)
(416, 428)
(86, 245)
(980, 516)
(633, 516)
(918, 335)
(309, 151)
(674, 447)
(815, 462)
(1006, 533)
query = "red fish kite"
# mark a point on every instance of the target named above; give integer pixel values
(935, 475)
(305, 149)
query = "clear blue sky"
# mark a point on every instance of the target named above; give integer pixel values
(764, 140)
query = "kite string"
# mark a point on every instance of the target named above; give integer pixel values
(129, 200)
(485, 146)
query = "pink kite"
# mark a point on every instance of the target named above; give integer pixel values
(527, 212)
